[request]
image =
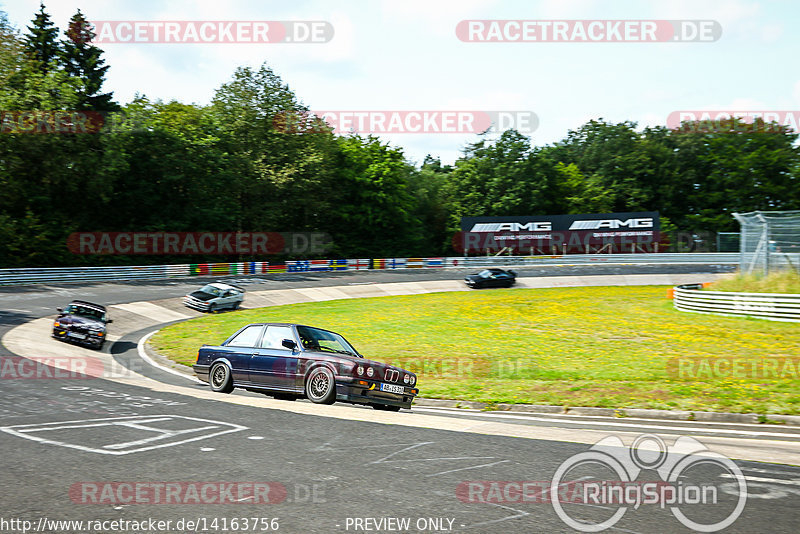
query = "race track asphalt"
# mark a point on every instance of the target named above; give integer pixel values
(69, 442)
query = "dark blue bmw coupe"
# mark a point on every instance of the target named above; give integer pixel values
(290, 361)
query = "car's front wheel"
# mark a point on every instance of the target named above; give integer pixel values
(212, 308)
(220, 378)
(320, 386)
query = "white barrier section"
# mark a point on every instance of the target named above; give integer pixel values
(771, 306)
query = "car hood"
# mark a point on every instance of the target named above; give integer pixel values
(381, 366)
(202, 295)
(473, 277)
(77, 320)
(363, 361)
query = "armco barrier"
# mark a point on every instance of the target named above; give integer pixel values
(155, 272)
(772, 306)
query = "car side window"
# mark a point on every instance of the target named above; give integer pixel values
(275, 336)
(247, 337)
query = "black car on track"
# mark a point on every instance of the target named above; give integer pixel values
(82, 322)
(291, 361)
(491, 278)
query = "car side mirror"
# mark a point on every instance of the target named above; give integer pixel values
(289, 344)
(59, 310)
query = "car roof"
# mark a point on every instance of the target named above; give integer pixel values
(89, 304)
(221, 285)
(291, 324)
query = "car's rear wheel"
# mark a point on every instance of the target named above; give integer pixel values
(320, 386)
(235, 306)
(220, 378)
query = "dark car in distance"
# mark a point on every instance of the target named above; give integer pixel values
(491, 278)
(291, 361)
(82, 322)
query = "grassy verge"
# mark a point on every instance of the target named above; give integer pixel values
(780, 282)
(597, 346)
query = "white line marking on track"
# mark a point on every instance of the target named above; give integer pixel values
(143, 355)
(25, 431)
(764, 479)
(578, 418)
(622, 425)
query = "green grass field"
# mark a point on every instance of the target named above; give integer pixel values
(779, 282)
(594, 346)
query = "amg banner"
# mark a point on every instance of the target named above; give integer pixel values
(557, 234)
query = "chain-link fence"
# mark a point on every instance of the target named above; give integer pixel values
(770, 241)
(728, 242)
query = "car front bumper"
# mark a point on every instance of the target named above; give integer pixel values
(199, 305)
(88, 339)
(368, 392)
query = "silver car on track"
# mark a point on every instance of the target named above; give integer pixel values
(214, 297)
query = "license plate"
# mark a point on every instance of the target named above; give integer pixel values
(391, 388)
(76, 335)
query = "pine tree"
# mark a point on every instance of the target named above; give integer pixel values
(41, 42)
(83, 62)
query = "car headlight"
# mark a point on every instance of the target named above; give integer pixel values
(360, 370)
(55, 324)
(370, 372)
(412, 380)
(406, 379)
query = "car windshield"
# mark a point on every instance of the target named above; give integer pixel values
(85, 311)
(486, 273)
(322, 340)
(211, 290)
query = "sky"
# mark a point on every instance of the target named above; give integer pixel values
(405, 55)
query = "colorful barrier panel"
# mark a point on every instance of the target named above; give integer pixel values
(299, 266)
(359, 265)
(320, 265)
(339, 265)
(415, 263)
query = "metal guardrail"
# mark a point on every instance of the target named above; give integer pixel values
(25, 276)
(703, 258)
(90, 274)
(771, 306)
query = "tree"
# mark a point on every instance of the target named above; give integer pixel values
(83, 61)
(41, 42)
(375, 212)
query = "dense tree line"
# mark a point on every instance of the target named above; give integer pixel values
(231, 166)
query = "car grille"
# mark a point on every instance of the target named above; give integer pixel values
(196, 304)
(391, 375)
